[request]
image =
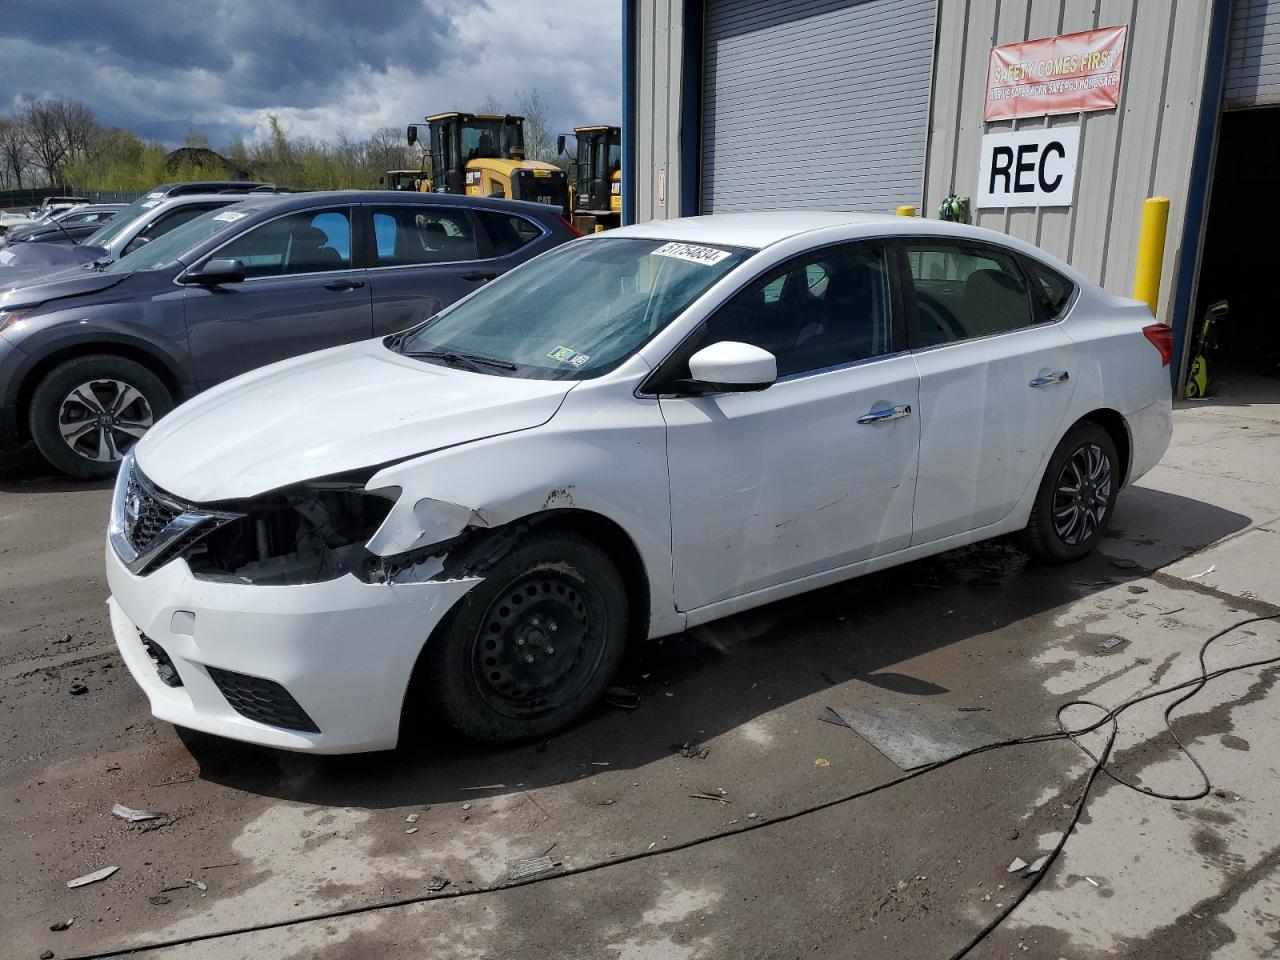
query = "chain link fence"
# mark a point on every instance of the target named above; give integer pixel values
(23, 200)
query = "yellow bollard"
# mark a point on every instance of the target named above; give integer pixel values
(1146, 276)
(906, 210)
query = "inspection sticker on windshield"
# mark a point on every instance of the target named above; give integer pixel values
(230, 216)
(707, 256)
(571, 357)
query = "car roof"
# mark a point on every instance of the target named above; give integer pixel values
(289, 201)
(755, 230)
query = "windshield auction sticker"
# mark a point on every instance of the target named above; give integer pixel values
(569, 356)
(230, 216)
(707, 256)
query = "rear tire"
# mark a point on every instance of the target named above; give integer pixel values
(1076, 498)
(532, 647)
(88, 411)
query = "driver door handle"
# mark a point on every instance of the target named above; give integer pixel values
(888, 413)
(344, 285)
(477, 276)
(1062, 376)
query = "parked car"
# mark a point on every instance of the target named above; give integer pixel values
(71, 226)
(25, 264)
(635, 433)
(13, 221)
(92, 357)
(51, 205)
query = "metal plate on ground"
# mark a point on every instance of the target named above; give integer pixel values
(917, 736)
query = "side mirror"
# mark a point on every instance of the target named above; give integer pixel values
(137, 243)
(560, 144)
(216, 272)
(732, 367)
(412, 134)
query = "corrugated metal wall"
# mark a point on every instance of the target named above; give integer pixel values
(1142, 148)
(658, 41)
(1253, 65)
(815, 103)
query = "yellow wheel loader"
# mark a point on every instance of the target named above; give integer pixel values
(482, 155)
(597, 175)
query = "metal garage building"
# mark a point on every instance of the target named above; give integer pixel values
(868, 104)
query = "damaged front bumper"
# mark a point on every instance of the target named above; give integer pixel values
(315, 667)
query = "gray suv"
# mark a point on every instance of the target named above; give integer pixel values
(90, 358)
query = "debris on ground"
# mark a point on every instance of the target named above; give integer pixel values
(159, 900)
(624, 698)
(436, 884)
(198, 884)
(77, 689)
(411, 818)
(530, 867)
(62, 924)
(1135, 588)
(1036, 865)
(466, 806)
(133, 816)
(46, 955)
(412, 830)
(691, 751)
(1017, 864)
(1203, 573)
(91, 877)
(710, 796)
(1111, 643)
(822, 762)
(1093, 881)
(1123, 563)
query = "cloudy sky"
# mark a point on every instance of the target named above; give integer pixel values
(165, 67)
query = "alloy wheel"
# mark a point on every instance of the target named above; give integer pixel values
(101, 419)
(1082, 495)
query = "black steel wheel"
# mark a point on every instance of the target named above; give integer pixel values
(1076, 496)
(533, 646)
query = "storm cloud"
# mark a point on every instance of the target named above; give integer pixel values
(324, 67)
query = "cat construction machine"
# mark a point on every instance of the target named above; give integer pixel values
(482, 155)
(597, 176)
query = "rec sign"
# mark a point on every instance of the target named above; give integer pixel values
(1030, 168)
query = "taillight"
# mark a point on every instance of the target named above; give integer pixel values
(1161, 337)
(576, 232)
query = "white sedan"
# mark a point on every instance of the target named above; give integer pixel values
(632, 434)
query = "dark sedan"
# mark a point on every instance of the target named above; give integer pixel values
(72, 226)
(91, 358)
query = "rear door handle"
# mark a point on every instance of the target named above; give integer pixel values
(888, 413)
(1062, 376)
(344, 285)
(477, 276)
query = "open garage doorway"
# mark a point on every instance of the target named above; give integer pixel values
(1238, 259)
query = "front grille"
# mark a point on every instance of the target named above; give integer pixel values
(164, 666)
(262, 700)
(153, 513)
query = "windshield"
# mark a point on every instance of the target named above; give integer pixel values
(103, 235)
(575, 311)
(172, 245)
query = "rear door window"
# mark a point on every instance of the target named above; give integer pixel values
(963, 291)
(507, 233)
(418, 234)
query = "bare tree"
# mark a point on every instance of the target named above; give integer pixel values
(539, 141)
(491, 105)
(13, 152)
(42, 131)
(75, 125)
(387, 150)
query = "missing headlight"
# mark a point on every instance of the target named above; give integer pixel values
(309, 533)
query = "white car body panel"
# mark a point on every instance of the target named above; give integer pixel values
(730, 501)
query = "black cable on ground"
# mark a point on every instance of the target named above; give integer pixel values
(1110, 716)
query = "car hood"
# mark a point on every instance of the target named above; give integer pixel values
(49, 255)
(330, 412)
(30, 286)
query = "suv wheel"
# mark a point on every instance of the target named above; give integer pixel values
(87, 412)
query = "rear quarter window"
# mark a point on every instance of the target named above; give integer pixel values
(1052, 289)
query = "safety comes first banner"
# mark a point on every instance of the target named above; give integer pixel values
(1074, 73)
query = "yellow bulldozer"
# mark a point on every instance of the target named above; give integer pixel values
(597, 176)
(482, 155)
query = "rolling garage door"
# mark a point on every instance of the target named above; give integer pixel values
(1253, 59)
(815, 103)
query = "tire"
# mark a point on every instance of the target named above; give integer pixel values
(556, 597)
(1052, 534)
(77, 421)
